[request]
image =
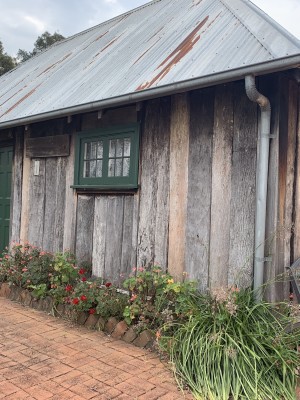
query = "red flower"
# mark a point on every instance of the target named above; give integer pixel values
(69, 288)
(108, 284)
(83, 279)
(81, 271)
(92, 311)
(75, 301)
(83, 298)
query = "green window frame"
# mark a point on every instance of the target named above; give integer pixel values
(107, 158)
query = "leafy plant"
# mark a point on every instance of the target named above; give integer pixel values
(111, 303)
(24, 265)
(233, 348)
(65, 273)
(156, 299)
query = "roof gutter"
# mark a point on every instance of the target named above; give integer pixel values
(192, 84)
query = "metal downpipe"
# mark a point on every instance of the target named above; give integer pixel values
(262, 182)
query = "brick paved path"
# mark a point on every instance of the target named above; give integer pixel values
(42, 357)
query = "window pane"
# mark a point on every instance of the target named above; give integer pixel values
(99, 150)
(112, 148)
(92, 169)
(86, 169)
(118, 168)
(93, 150)
(119, 149)
(127, 147)
(99, 169)
(111, 167)
(87, 151)
(126, 165)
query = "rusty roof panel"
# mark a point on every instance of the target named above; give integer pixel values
(161, 43)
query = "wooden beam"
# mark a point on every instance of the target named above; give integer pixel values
(179, 154)
(221, 186)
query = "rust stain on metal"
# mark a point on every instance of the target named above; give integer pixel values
(181, 51)
(110, 43)
(145, 52)
(55, 64)
(156, 33)
(100, 36)
(211, 22)
(20, 90)
(21, 100)
(195, 3)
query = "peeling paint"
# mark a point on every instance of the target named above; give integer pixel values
(176, 56)
(20, 101)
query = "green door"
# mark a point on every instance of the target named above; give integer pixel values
(6, 154)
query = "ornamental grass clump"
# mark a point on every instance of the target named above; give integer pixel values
(234, 348)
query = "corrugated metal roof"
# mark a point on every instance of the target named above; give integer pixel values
(156, 45)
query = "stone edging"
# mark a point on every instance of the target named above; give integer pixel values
(117, 329)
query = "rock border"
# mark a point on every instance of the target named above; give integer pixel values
(113, 327)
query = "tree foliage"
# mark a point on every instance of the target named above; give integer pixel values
(6, 62)
(45, 40)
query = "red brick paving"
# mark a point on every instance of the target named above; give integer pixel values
(42, 357)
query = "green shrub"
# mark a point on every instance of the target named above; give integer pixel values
(233, 348)
(155, 299)
(26, 265)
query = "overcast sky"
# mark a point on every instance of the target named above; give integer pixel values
(22, 21)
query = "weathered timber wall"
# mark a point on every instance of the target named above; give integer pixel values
(194, 211)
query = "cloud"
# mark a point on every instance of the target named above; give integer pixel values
(40, 26)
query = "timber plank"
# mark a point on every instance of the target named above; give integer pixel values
(50, 204)
(60, 202)
(179, 153)
(70, 202)
(99, 236)
(16, 206)
(199, 186)
(297, 190)
(84, 228)
(113, 245)
(153, 201)
(36, 204)
(127, 249)
(221, 186)
(243, 189)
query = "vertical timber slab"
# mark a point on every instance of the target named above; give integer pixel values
(84, 228)
(297, 190)
(16, 206)
(270, 88)
(243, 189)
(99, 236)
(60, 202)
(50, 203)
(221, 186)
(114, 236)
(25, 194)
(153, 201)
(179, 154)
(70, 201)
(290, 173)
(128, 251)
(199, 186)
(37, 204)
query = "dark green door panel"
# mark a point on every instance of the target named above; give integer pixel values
(6, 155)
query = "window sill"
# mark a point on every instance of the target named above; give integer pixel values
(105, 189)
